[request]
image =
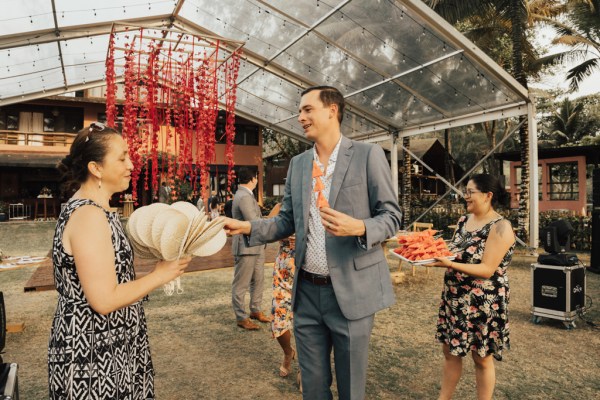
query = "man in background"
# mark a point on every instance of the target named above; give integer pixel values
(249, 260)
(164, 193)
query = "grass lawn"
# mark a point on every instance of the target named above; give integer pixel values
(199, 352)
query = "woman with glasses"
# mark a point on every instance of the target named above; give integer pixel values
(98, 345)
(473, 315)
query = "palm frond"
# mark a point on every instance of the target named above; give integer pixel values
(580, 72)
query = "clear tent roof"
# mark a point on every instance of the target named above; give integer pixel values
(400, 66)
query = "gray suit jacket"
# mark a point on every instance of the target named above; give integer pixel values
(361, 188)
(244, 208)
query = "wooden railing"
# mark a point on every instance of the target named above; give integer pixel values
(36, 138)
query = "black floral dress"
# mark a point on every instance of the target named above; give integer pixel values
(473, 313)
(94, 356)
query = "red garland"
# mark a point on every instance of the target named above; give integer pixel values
(231, 74)
(188, 89)
(111, 85)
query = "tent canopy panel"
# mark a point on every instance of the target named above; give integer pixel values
(399, 64)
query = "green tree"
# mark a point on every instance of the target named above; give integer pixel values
(581, 32)
(514, 18)
(285, 146)
(566, 123)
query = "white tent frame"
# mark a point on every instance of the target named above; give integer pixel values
(388, 129)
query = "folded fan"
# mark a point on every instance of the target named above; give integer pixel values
(168, 232)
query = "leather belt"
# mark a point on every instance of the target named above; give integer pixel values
(315, 279)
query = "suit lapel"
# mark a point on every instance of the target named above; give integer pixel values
(306, 186)
(341, 167)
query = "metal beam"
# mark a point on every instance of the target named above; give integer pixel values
(77, 31)
(468, 173)
(394, 163)
(456, 39)
(286, 75)
(54, 92)
(533, 178)
(355, 57)
(512, 110)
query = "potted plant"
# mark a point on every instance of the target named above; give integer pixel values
(3, 211)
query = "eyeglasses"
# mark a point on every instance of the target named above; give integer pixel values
(95, 127)
(467, 193)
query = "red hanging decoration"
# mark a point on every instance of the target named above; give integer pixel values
(173, 82)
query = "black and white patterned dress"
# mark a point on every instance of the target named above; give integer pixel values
(94, 356)
(473, 313)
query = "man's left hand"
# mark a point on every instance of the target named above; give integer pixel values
(340, 224)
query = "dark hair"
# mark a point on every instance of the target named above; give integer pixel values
(245, 175)
(488, 183)
(90, 144)
(328, 96)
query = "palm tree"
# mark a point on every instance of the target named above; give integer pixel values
(581, 32)
(512, 17)
(566, 123)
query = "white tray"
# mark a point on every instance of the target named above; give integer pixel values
(420, 262)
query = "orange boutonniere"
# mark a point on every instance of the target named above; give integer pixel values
(319, 186)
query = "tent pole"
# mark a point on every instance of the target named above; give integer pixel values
(534, 214)
(394, 162)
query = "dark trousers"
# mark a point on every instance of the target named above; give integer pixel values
(319, 326)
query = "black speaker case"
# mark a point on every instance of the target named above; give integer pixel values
(557, 291)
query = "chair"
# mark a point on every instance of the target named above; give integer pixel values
(421, 226)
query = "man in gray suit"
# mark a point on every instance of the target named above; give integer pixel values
(342, 278)
(249, 261)
(164, 193)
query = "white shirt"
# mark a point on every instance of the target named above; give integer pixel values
(316, 254)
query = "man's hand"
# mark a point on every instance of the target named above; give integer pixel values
(340, 224)
(235, 227)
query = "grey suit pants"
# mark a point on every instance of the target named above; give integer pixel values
(248, 274)
(319, 326)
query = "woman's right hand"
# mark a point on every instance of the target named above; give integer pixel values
(169, 270)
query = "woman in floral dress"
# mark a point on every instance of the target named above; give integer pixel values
(473, 315)
(281, 310)
(98, 347)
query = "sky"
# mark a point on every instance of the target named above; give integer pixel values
(558, 79)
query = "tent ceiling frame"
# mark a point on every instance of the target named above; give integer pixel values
(55, 92)
(284, 74)
(390, 79)
(360, 60)
(60, 56)
(79, 31)
(162, 21)
(445, 30)
(511, 110)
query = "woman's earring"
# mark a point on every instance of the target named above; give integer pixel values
(100, 183)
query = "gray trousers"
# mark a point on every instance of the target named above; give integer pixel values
(248, 274)
(319, 326)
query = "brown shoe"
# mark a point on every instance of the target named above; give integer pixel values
(260, 316)
(248, 325)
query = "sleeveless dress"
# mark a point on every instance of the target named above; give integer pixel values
(283, 280)
(94, 356)
(473, 314)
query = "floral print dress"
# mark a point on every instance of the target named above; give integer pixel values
(473, 314)
(283, 280)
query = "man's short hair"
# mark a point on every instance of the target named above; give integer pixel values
(245, 175)
(328, 96)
